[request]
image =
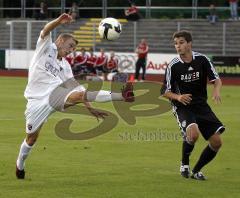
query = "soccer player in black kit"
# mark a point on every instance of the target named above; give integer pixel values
(185, 85)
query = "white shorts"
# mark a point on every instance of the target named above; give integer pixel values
(37, 111)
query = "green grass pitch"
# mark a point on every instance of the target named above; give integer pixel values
(109, 165)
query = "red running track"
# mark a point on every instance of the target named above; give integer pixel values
(149, 77)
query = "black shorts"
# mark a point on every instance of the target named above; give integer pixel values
(202, 115)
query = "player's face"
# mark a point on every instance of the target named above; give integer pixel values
(66, 47)
(182, 46)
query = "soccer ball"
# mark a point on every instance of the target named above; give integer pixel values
(109, 29)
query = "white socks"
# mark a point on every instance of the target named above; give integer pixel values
(23, 153)
(102, 96)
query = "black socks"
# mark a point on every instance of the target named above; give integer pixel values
(186, 152)
(207, 155)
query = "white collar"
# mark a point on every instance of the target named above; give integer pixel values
(193, 57)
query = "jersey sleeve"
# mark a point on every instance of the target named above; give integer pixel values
(168, 81)
(67, 71)
(43, 43)
(211, 71)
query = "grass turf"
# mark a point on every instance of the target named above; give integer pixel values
(112, 165)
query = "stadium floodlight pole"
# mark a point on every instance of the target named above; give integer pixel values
(104, 8)
(134, 35)
(94, 37)
(224, 40)
(10, 23)
(103, 2)
(148, 9)
(194, 9)
(23, 10)
(63, 3)
(178, 26)
(29, 35)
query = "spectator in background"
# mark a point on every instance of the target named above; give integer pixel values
(71, 58)
(212, 17)
(112, 64)
(74, 11)
(111, 68)
(132, 13)
(234, 9)
(142, 51)
(101, 62)
(42, 14)
(91, 62)
(80, 62)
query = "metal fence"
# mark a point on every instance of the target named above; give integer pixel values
(222, 39)
(103, 11)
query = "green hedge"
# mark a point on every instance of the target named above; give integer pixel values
(2, 59)
(179, 13)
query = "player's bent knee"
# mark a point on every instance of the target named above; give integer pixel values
(75, 97)
(193, 137)
(31, 138)
(215, 142)
(192, 133)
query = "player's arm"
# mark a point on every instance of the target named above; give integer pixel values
(62, 19)
(146, 50)
(215, 79)
(216, 90)
(137, 50)
(182, 98)
(166, 90)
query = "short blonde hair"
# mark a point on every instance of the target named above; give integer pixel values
(67, 36)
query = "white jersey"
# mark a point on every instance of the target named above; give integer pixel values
(46, 72)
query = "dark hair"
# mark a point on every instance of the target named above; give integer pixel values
(183, 33)
(67, 36)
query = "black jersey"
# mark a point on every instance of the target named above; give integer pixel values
(189, 78)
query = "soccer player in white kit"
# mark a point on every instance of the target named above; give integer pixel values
(47, 72)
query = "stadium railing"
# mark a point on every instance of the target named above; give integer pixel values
(146, 11)
(23, 35)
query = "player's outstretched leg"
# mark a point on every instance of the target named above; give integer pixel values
(126, 95)
(20, 174)
(198, 176)
(207, 155)
(24, 151)
(185, 170)
(192, 133)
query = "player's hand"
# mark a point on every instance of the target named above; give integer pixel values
(65, 18)
(216, 96)
(97, 114)
(185, 98)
